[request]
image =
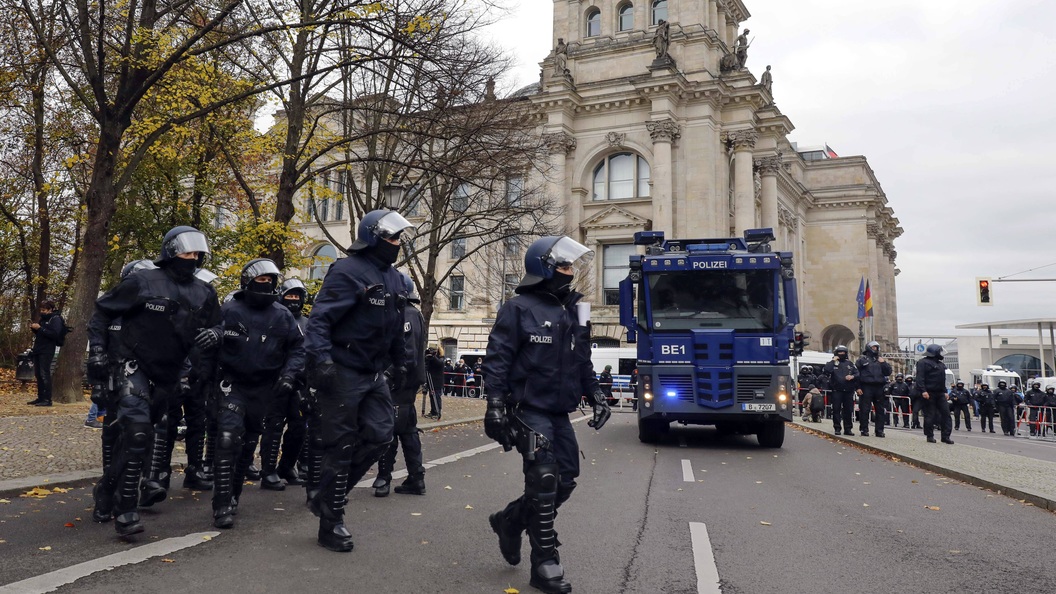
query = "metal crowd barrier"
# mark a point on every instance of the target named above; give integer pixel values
(1042, 427)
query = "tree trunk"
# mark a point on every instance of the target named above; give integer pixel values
(101, 199)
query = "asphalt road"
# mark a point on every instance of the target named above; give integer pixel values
(814, 516)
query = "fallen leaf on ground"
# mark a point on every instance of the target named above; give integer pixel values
(511, 591)
(37, 493)
(207, 538)
(4, 501)
(932, 507)
(48, 548)
(416, 513)
(68, 525)
(865, 505)
(469, 507)
(168, 560)
(766, 523)
(448, 487)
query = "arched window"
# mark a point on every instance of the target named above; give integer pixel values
(593, 22)
(322, 258)
(625, 17)
(623, 175)
(659, 11)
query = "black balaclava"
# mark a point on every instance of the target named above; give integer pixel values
(259, 295)
(560, 284)
(296, 306)
(842, 355)
(386, 252)
(181, 269)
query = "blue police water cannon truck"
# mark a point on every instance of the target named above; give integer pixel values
(714, 321)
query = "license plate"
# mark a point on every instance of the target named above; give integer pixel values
(752, 407)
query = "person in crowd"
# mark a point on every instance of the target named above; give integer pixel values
(605, 381)
(1048, 420)
(163, 313)
(930, 377)
(293, 295)
(813, 404)
(1035, 400)
(434, 364)
(1006, 401)
(49, 333)
(844, 381)
(449, 382)
(261, 355)
(873, 371)
(406, 424)
(987, 406)
(354, 334)
(803, 383)
(462, 372)
(899, 392)
(536, 376)
(960, 401)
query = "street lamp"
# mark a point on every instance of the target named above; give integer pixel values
(393, 195)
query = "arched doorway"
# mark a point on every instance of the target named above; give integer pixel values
(836, 334)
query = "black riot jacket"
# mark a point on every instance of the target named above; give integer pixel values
(985, 398)
(259, 345)
(838, 372)
(357, 318)
(871, 370)
(414, 355)
(930, 376)
(538, 354)
(160, 318)
(1034, 397)
(1004, 396)
(899, 389)
(960, 396)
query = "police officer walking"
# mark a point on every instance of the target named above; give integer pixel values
(961, 400)
(1035, 399)
(843, 376)
(537, 370)
(1006, 401)
(164, 312)
(293, 295)
(873, 372)
(405, 430)
(354, 334)
(987, 406)
(930, 377)
(261, 354)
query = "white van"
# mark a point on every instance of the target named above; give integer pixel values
(995, 373)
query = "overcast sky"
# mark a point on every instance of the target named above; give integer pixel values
(950, 100)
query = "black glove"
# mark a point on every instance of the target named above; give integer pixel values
(602, 412)
(207, 339)
(398, 378)
(306, 401)
(496, 425)
(98, 364)
(284, 386)
(185, 386)
(322, 374)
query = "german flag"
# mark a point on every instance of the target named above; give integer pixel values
(868, 301)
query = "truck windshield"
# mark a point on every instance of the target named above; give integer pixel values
(731, 299)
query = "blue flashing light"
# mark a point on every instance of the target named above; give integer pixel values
(672, 393)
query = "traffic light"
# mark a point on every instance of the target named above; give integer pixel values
(982, 293)
(799, 342)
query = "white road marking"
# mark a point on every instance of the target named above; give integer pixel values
(704, 560)
(446, 459)
(687, 472)
(54, 580)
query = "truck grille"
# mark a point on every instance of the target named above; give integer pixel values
(681, 385)
(748, 384)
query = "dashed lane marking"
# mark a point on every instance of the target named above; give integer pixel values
(54, 580)
(704, 560)
(687, 472)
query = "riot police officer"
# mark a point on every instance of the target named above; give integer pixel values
(987, 406)
(899, 391)
(293, 295)
(873, 372)
(354, 334)
(843, 376)
(1006, 401)
(406, 428)
(1050, 410)
(261, 355)
(1035, 399)
(961, 399)
(537, 370)
(931, 384)
(164, 312)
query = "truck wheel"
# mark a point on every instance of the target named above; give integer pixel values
(649, 431)
(772, 434)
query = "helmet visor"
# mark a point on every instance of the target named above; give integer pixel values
(205, 276)
(569, 252)
(391, 224)
(262, 267)
(191, 241)
(294, 284)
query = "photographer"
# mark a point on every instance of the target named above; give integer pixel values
(48, 334)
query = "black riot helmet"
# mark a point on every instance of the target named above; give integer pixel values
(1002, 384)
(408, 290)
(960, 384)
(183, 240)
(294, 295)
(984, 386)
(840, 350)
(1051, 389)
(260, 267)
(805, 369)
(934, 351)
(135, 266)
(1036, 385)
(378, 224)
(899, 376)
(909, 379)
(549, 253)
(869, 346)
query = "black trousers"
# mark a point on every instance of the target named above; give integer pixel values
(240, 415)
(962, 409)
(42, 371)
(901, 403)
(936, 411)
(986, 413)
(190, 406)
(872, 397)
(284, 412)
(842, 409)
(1008, 418)
(406, 434)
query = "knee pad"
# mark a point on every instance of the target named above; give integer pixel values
(541, 479)
(564, 491)
(228, 440)
(139, 436)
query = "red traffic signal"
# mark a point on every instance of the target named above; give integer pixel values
(982, 293)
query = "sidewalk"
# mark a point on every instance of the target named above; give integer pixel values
(1017, 476)
(51, 450)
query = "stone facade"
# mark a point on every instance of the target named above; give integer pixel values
(640, 143)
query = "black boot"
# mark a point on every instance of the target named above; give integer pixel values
(153, 491)
(253, 473)
(126, 519)
(104, 502)
(335, 537)
(509, 537)
(412, 485)
(34, 401)
(329, 505)
(381, 487)
(549, 577)
(196, 479)
(43, 403)
(290, 474)
(269, 458)
(223, 485)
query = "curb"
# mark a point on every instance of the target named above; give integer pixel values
(1034, 499)
(17, 486)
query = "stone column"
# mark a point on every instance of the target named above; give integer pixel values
(664, 133)
(743, 183)
(561, 144)
(712, 14)
(768, 168)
